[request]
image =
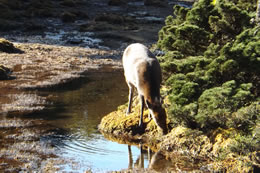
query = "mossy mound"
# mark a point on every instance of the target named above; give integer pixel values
(198, 146)
(219, 150)
(119, 124)
(4, 72)
(7, 46)
(188, 142)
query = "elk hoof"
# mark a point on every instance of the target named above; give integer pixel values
(141, 125)
(127, 112)
(165, 131)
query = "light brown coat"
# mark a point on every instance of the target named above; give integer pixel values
(142, 71)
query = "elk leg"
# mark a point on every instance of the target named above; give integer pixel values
(142, 111)
(130, 97)
(150, 115)
(130, 157)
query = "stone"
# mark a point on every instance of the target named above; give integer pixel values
(117, 2)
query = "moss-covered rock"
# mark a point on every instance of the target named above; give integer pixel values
(218, 150)
(227, 149)
(7, 46)
(188, 142)
(4, 72)
(68, 17)
(119, 124)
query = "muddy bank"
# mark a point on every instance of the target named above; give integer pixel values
(42, 66)
(26, 144)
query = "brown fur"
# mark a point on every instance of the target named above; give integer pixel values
(143, 72)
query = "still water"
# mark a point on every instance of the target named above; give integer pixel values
(77, 110)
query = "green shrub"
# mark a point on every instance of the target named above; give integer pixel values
(216, 105)
(212, 64)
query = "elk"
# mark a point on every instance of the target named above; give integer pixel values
(142, 71)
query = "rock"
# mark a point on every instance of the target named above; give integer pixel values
(68, 17)
(68, 3)
(7, 46)
(187, 141)
(160, 3)
(123, 126)
(4, 72)
(110, 18)
(117, 2)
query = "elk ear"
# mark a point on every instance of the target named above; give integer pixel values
(161, 100)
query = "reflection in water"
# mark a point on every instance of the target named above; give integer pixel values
(156, 161)
(77, 111)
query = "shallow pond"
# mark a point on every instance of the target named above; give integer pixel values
(76, 111)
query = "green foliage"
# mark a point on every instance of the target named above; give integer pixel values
(212, 65)
(244, 144)
(215, 105)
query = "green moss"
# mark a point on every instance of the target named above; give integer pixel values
(119, 124)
